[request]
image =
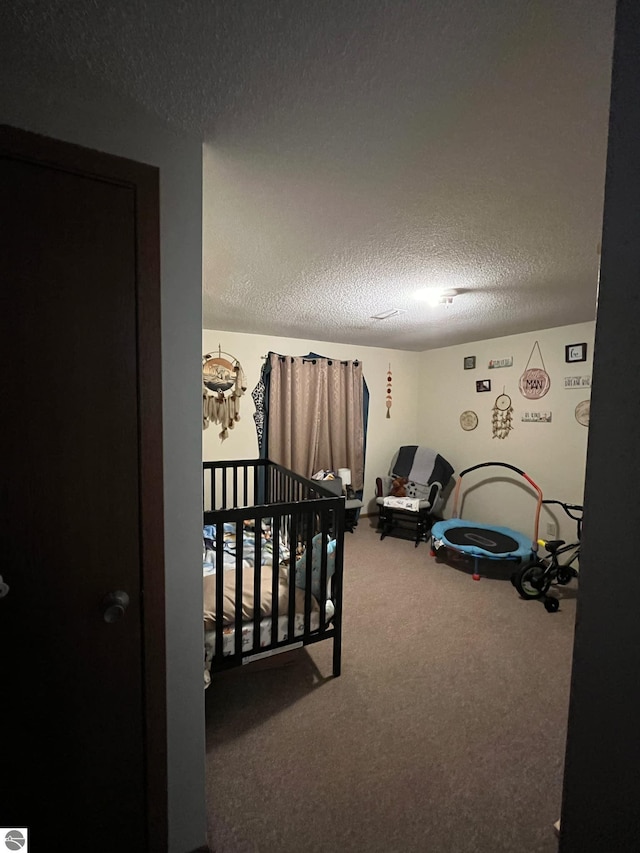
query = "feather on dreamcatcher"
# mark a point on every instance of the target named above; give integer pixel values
(502, 416)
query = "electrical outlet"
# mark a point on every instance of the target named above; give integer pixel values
(552, 531)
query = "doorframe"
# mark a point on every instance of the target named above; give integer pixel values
(143, 180)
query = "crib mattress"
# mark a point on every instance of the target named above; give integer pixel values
(229, 635)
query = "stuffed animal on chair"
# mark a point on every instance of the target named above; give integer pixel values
(398, 487)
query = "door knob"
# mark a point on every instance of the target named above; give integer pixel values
(114, 605)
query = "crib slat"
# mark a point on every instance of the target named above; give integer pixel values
(235, 485)
(237, 634)
(293, 539)
(324, 526)
(257, 583)
(308, 569)
(337, 584)
(275, 576)
(219, 545)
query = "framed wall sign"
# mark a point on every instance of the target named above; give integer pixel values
(536, 417)
(577, 381)
(501, 362)
(469, 362)
(483, 385)
(575, 352)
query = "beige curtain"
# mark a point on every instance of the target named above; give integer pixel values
(315, 415)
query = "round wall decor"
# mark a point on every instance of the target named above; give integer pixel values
(534, 382)
(468, 420)
(582, 412)
(218, 374)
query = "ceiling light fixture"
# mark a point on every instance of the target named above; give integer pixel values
(447, 296)
(437, 295)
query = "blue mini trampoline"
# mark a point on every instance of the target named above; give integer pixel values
(485, 541)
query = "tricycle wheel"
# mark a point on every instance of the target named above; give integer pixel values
(530, 580)
(551, 605)
(564, 575)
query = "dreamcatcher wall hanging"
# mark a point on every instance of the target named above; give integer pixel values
(534, 382)
(223, 384)
(501, 416)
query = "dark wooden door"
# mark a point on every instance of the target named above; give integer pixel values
(83, 723)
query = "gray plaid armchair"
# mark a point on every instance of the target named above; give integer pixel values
(413, 491)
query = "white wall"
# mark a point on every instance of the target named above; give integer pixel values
(384, 435)
(552, 454)
(430, 391)
(106, 124)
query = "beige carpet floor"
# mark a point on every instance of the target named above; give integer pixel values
(445, 732)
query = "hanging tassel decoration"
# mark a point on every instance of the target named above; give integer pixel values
(388, 400)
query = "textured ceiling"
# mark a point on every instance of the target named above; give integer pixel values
(357, 150)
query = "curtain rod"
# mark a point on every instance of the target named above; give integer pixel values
(313, 360)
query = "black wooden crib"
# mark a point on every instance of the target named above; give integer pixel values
(279, 539)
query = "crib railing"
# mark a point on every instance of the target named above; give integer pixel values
(250, 482)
